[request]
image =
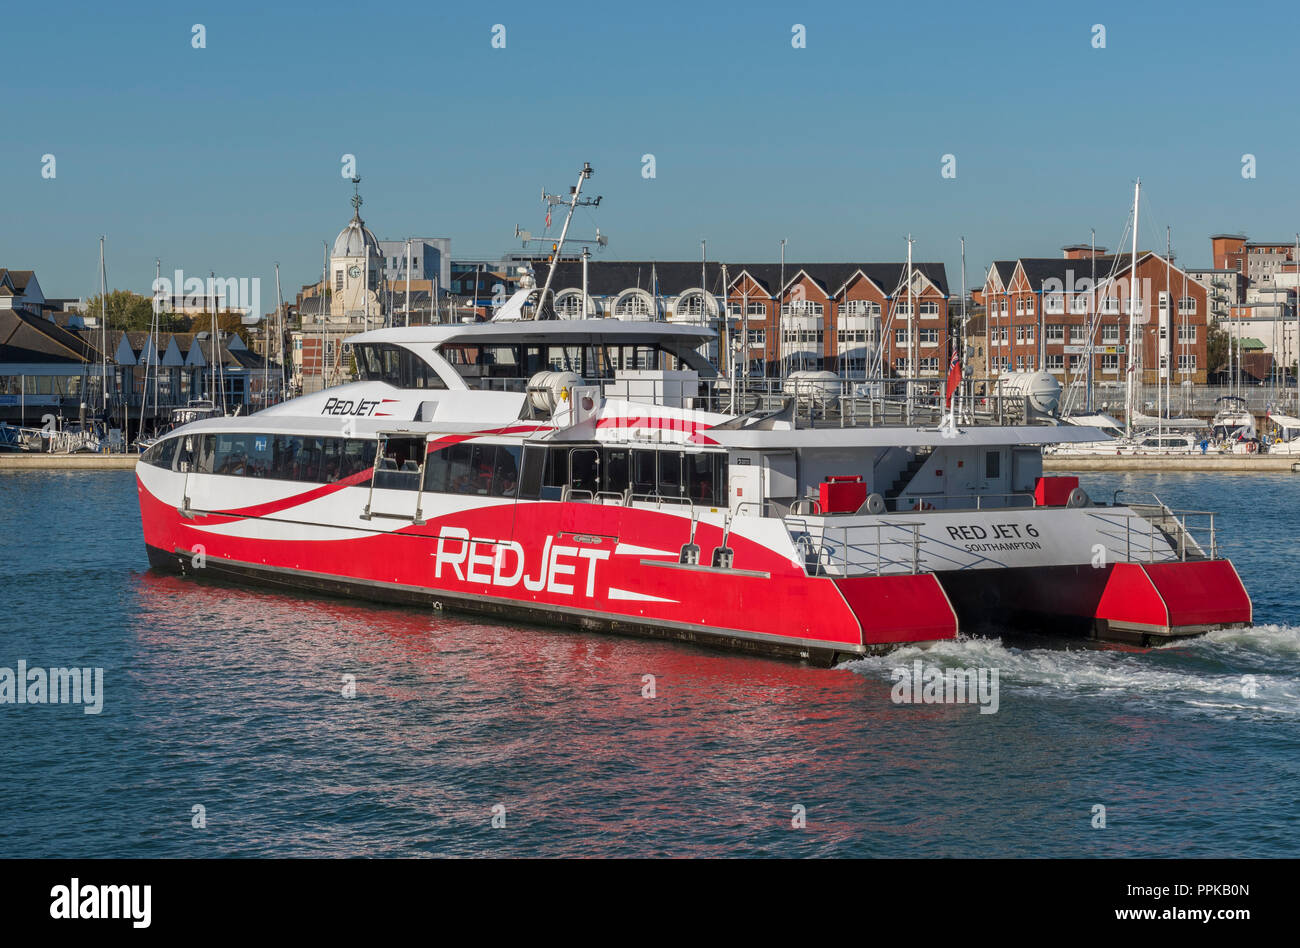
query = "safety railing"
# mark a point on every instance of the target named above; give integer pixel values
(953, 502)
(876, 549)
(1153, 532)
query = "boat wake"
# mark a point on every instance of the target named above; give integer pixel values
(1244, 672)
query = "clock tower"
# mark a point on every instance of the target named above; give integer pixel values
(356, 271)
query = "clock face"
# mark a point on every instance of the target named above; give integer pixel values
(354, 271)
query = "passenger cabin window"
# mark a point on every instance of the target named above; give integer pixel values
(276, 456)
(669, 474)
(474, 468)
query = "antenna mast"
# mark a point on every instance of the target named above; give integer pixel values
(575, 201)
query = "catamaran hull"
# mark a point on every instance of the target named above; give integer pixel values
(617, 569)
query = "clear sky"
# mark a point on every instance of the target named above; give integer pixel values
(228, 158)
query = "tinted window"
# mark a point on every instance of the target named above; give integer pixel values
(699, 477)
(643, 471)
(616, 475)
(530, 485)
(557, 468)
(670, 474)
(584, 470)
(992, 464)
(204, 461)
(399, 367)
(185, 453)
(358, 456)
(459, 479)
(505, 474)
(162, 453)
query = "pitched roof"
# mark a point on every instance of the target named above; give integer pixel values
(28, 338)
(611, 277)
(19, 278)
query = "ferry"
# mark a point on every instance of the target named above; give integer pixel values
(600, 474)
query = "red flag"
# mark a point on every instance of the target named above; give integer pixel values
(954, 377)
(548, 217)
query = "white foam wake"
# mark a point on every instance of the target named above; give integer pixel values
(1250, 672)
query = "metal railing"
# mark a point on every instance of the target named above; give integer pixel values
(1014, 500)
(882, 549)
(1178, 529)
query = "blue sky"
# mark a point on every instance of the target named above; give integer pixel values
(228, 158)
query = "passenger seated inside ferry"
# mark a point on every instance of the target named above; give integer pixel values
(281, 457)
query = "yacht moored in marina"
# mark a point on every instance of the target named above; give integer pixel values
(1232, 419)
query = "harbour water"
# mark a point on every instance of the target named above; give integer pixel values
(225, 727)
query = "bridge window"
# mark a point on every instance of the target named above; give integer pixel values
(162, 453)
(399, 367)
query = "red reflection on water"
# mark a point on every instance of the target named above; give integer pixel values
(729, 742)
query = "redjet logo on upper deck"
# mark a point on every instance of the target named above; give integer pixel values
(364, 407)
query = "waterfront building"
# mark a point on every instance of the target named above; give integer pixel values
(354, 301)
(44, 367)
(430, 259)
(1042, 310)
(1259, 261)
(1225, 288)
(849, 318)
(20, 290)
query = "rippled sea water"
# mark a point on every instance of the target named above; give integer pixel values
(230, 699)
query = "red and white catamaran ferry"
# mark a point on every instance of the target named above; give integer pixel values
(589, 473)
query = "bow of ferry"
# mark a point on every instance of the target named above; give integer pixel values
(599, 474)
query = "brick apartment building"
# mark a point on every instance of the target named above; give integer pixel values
(1039, 311)
(1258, 261)
(833, 316)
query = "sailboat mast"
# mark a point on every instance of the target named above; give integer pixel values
(1130, 394)
(212, 346)
(321, 316)
(961, 338)
(1091, 323)
(911, 315)
(279, 328)
(780, 316)
(266, 363)
(727, 343)
(103, 325)
(153, 347)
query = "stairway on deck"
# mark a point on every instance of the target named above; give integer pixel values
(905, 477)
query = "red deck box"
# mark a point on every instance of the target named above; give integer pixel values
(842, 493)
(1053, 491)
